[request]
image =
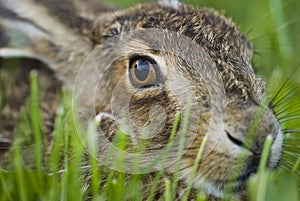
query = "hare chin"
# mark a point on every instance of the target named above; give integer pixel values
(217, 190)
(212, 189)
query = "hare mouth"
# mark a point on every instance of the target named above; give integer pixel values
(253, 161)
(249, 168)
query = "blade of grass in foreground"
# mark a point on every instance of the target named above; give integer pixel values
(194, 170)
(167, 194)
(262, 185)
(183, 133)
(64, 185)
(92, 147)
(55, 156)
(21, 188)
(77, 150)
(265, 154)
(169, 146)
(35, 119)
(271, 185)
(36, 178)
(116, 184)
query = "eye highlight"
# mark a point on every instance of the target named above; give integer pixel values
(142, 72)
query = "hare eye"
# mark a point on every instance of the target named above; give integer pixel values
(142, 72)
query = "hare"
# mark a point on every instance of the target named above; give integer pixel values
(135, 69)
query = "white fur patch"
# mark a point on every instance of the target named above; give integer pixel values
(170, 3)
(276, 149)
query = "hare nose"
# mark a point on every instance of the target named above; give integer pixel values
(238, 130)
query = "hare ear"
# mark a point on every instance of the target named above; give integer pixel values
(17, 35)
(24, 31)
(48, 30)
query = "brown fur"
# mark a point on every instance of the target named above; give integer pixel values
(71, 34)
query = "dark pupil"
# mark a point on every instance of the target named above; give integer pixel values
(141, 70)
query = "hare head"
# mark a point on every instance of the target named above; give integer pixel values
(137, 69)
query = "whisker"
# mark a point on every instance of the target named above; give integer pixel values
(288, 23)
(282, 166)
(286, 164)
(260, 42)
(263, 44)
(286, 168)
(272, 101)
(290, 138)
(257, 23)
(263, 17)
(291, 130)
(286, 107)
(288, 114)
(285, 119)
(290, 146)
(276, 103)
(294, 155)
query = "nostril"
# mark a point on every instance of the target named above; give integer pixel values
(234, 140)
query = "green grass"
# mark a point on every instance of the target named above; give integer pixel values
(66, 166)
(62, 174)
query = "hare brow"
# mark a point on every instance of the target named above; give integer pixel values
(122, 20)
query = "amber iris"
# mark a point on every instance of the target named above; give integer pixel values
(142, 73)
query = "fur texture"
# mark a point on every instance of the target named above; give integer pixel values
(62, 34)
